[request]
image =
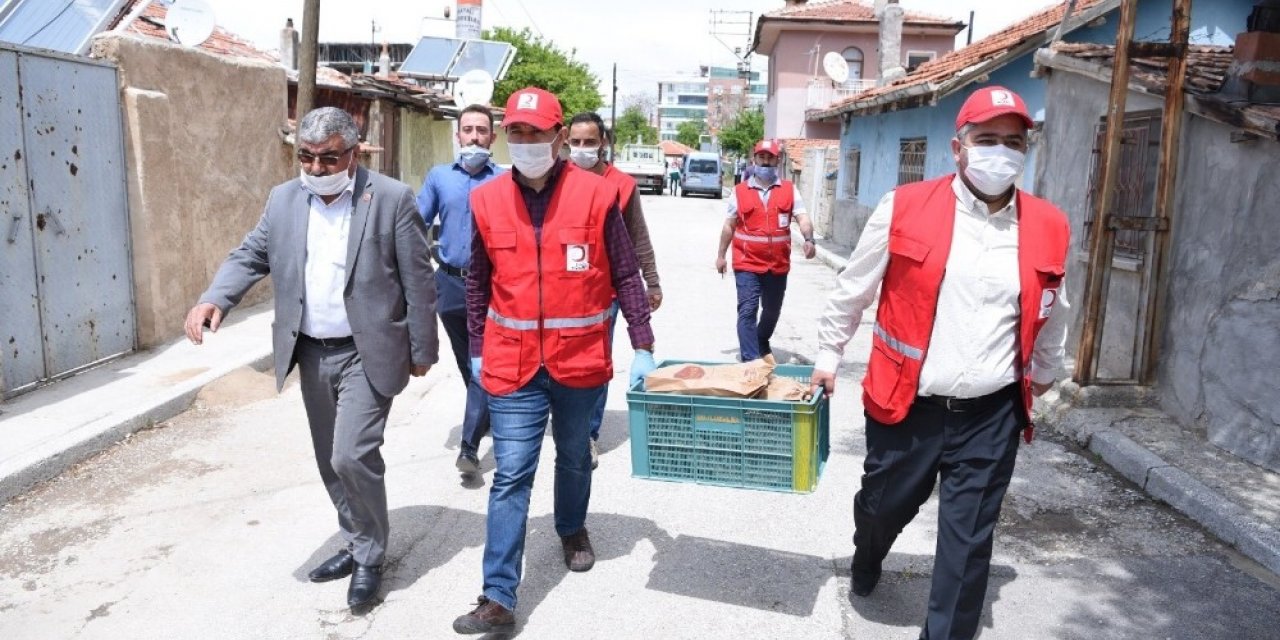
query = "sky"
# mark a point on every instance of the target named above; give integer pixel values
(649, 40)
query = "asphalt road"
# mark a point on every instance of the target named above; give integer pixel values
(205, 526)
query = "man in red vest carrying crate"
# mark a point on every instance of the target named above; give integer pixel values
(971, 326)
(761, 212)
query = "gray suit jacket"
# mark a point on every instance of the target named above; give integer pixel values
(390, 293)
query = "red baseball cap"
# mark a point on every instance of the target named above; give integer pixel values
(991, 102)
(533, 106)
(768, 146)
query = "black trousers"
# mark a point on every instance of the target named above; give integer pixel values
(973, 452)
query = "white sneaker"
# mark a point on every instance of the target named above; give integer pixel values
(595, 454)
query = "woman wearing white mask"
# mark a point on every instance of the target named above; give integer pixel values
(955, 360)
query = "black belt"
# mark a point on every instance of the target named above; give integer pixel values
(969, 405)
(454, 271)
(328, 343)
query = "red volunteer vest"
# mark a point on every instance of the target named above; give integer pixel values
(549, 302)
(919, 243)
(623, 183)
(762, 241)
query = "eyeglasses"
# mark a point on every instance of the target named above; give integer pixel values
(328, 160)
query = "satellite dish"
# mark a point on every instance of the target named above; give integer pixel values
(836, 67)
(189, 22)
(474, 87)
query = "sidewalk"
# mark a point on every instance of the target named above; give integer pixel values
(52, 428)
(1236, 501)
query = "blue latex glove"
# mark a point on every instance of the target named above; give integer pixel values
(475, 369)
(641, 365)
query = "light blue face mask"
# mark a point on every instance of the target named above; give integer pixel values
(766, 175)
(473, 157)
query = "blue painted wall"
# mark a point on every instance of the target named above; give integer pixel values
(879, 136)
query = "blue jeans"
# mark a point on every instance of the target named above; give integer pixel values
(597, 414)
(518, 421)
(451, 307)
(758, 293)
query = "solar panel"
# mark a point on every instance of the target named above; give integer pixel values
(449, 58)
(65, 25)
(431, 57)
(482, 54)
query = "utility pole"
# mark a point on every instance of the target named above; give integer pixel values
(307, 59)
(613, 110)
(970, 39)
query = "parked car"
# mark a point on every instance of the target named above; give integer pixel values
(701, 174)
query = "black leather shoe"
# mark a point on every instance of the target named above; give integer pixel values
(365, 582)
(866, 574)
(339, 566)
(468, 463)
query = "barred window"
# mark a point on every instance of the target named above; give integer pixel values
(911, 152)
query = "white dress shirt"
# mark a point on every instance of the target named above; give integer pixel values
(973, 348)
(324, 313)
(797, 207)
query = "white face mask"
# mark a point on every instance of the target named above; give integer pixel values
(473, 156)
(585, 157)
(992, 170)
(532, 160)
(330, 185)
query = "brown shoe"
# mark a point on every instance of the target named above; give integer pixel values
(488, 616)
(578, 553)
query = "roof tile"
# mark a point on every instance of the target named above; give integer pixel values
(851, 10)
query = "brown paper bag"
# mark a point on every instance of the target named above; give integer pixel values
(745, 380)
(787, 390)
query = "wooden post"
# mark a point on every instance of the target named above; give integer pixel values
(1166, 183)
(1100, 249)
(307, 59)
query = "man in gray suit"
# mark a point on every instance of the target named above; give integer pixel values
(355, 312)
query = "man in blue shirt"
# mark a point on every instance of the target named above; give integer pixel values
(446, 193)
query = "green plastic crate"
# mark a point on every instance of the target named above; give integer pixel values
(753, 444)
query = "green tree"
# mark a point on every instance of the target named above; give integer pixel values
(690, 132)
(743, 132)
(633, 123)
(539, 63)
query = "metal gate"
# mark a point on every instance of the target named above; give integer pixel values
(66, 294)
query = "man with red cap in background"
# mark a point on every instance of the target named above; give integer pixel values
(761, 211)
(970, 327)
(549, 254)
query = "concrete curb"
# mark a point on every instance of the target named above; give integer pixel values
(72, 420)
(1091, 428)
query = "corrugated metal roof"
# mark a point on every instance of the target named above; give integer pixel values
(60, 25)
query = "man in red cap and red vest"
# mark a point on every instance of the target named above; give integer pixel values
(549, 255)
(761, 211)
(971, 326)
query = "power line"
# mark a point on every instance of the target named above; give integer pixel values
(531, 20)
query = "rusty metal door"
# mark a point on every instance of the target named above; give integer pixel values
(75, 219)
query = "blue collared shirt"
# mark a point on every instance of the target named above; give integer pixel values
(446, 192)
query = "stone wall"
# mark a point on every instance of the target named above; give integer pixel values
(203, 148)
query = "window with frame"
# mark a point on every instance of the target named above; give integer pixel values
(911, 154)
(852, 169)
(853, 56)
(917, 58)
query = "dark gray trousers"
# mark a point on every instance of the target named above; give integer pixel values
(974, 454)
(347, 419)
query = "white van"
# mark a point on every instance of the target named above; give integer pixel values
(701, 174)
